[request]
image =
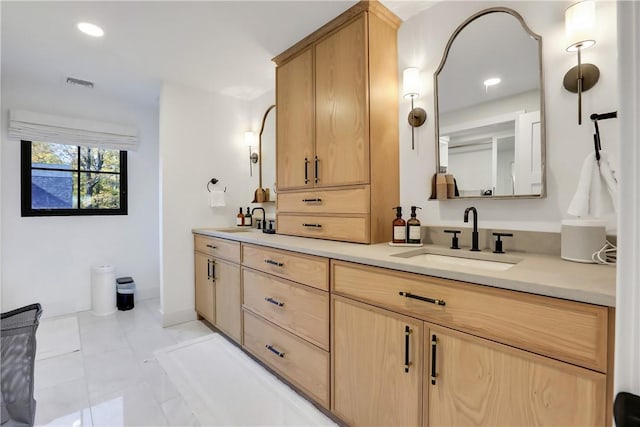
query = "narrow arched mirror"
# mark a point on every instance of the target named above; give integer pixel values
(489, 103)
(267, 158)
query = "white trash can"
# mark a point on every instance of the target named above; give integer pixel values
(103, 290)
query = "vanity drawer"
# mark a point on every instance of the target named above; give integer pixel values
(348, 229)
(220, 248)
(307, 269)
(296, 308)
(304, 364)
(342, 201)
(570, 331)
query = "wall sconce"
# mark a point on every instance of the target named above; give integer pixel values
(249, 139)
(411, 89)
(580, 23)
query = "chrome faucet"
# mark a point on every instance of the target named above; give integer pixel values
(264, 216)
(474, 234)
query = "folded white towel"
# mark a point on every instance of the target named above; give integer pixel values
(216, 198)
(596, 194)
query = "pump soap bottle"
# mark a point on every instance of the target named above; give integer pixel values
(399, 227)
(413, 227)
(248, 219)
(240, 219)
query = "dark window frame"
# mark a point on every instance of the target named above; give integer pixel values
(25, 188)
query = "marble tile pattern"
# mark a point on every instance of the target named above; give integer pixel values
(114, 379)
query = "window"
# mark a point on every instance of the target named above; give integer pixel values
(62, 179)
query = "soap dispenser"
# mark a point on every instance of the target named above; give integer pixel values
(413, 227)
(248, 219)
(240, 218)
(399, 227)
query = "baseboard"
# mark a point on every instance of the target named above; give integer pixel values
(178, 317)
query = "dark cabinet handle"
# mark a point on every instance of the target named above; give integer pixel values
(312, 200)
(213, 271)
(434, 343)
(407, 332)
(312, 225)
(418, 297)
(274, 351)
(274, 302)
(208, 269)
(272, 262)
(315, 171)
(306, 170)
(211, 246)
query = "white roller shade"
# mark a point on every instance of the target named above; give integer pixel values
(31, 126)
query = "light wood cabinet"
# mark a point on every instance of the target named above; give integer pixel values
(218, 288)
(481, 383)
(377, 366)
(344, 133)
(205, 287)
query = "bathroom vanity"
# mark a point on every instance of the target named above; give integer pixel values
(390, 336)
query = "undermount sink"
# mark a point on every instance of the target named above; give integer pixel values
(449, 257)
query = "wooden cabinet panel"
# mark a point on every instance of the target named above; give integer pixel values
(295, 101)
(337, 201)
(296, 308)
(342, 120)
(370, 384)
(566, 330)
(228, 298)
(306, 269)
(304, 364)
(348, 229)
(481, 383)
(204, 288)
(219, 248)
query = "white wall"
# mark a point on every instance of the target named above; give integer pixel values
(421, 42)
(201, 137)
(49, 259)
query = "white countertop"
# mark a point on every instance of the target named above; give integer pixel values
(533, 273)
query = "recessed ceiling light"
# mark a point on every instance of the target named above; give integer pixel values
(90, 29)
(492, 81)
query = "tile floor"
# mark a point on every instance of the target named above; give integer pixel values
(114, 380)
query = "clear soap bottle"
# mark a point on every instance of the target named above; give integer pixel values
(413, 227)
(399, 227)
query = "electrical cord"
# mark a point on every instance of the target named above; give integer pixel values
(606, 255)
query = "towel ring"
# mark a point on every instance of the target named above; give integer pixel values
(214, 181)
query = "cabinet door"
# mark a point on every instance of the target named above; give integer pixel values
(371, 383)
(342, 119)
(204, 287)
(294, 122)
(479, 382)
(228, 304)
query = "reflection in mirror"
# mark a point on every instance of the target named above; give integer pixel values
(267, 167)
(490, 107)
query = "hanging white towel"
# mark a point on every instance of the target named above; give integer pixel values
(596, 194)
(216, 198)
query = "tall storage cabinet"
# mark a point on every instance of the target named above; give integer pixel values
(337, 128)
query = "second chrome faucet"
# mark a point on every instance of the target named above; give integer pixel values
(474, 233)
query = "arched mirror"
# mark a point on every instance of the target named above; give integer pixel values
(267, 158)
(489, 103)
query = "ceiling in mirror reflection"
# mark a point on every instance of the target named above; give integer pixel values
(506, 51)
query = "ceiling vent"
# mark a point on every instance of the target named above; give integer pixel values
(77, 82)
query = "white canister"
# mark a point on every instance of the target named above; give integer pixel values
(581, 238)
(103, 290)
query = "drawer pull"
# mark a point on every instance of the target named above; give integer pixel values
(418, 297)
(211, 246)
(274, 302)
(312, 200)
(306, 170)
(312, 225)
(407, 332)
(434, 343)
(274, 351)
(272, 262)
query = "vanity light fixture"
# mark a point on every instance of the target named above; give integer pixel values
(249, 139)
(90, 29)
(580, 22)
(411, 89)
